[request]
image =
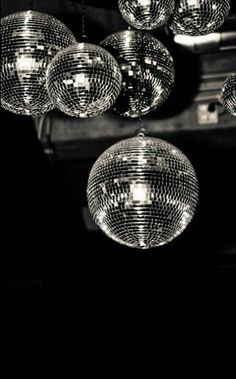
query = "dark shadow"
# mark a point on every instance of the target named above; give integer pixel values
(186, 86)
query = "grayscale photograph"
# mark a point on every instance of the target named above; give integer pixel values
(119, 181)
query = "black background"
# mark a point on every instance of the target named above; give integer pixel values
(86, 299)
(110, 294)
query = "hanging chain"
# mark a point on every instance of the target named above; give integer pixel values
(84, 37)
(141, 129)
(83, 18)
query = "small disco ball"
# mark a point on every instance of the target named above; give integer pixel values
(146, 14)
(228, 94)
(142, 192)
(147, 69)
(29, 40)
(84, 80)
(199, 17)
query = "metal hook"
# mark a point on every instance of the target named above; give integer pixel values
(44, 136)
(141, 130)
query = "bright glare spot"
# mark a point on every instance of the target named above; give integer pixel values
(25, 64)
(190, 41)
(139, 192)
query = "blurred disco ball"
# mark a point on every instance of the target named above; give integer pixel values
(84, 80)
(228, 94)
(147, 69)
(29, 40)
(199, 17)
(142, 192)
(146, 14)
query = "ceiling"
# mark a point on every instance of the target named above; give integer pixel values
(200, 73)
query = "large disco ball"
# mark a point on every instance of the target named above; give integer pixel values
(147, 70)
(84, 80)
(146, 14)
(29, 41)
(228, 94)
(199, 17)
(142, 192)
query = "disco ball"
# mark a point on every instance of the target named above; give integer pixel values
(228, 94)
(29, 40)
(142, 192)
(146, 14)
(147, 69)
(199, 17)
(84, 80)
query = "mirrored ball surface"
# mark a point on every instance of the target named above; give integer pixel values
(198, 17)
(228, 94)
(147, 71)
(142, 192)
(84, 80)
(146, 14)
(29, 41)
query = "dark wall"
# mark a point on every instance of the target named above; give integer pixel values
(76, 296)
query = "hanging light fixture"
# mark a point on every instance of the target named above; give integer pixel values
(84, 80)
(146, 14)
(142, 192)
(228, 95)
(147, 71)
(29, 41)
(198, 17)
